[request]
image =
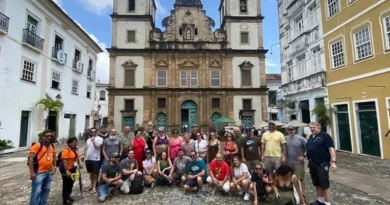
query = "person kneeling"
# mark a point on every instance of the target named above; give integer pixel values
(197, 174)
(164, 169)
(150, 171)
(129, 170)
(240, 178)
(111, 178)
(261, 183)
(180, 168)
(219, 174)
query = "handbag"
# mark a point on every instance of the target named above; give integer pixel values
(296, 195)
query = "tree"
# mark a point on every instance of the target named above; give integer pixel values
(51, 105)
(322, 113)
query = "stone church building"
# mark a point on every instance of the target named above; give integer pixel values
(189, 72)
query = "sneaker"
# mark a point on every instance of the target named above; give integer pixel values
(317, 203)
(199, 193)
(246, 197)
(213, 191)
(240, 193)
(153, 184)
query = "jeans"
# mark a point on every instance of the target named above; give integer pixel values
(67, 185)
(40, 188)
(164, 180)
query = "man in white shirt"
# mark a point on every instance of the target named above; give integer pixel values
(92, 158)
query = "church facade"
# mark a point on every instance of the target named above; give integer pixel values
(187, 73)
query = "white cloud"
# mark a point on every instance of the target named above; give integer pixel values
(162, 11)
(103, 62)
(97, 6)
(271, 63)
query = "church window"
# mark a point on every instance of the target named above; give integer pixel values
(131, 5)
(196, 31)
(243, 6)
(244, 38)
(180, 31)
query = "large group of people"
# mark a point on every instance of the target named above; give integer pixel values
(268, 165)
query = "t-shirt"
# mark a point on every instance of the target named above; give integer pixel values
(188, 147)
(318, 148)
(256, 178)
(239, 172)
(181, 164)
(128, 165)
(45, 156)
(251, 148)
(112, 146)
(201, 146)
(93, 154)
(272, 142)
(111, 171)
(220, 171)
(127, 142)
(195, 168)
(295, 148)
(70, 157)
(148, 163)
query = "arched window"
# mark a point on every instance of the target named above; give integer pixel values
(102, 95)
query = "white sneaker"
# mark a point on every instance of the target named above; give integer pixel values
(246, 197)
(240, 192)
(153, 184)
(213, 191)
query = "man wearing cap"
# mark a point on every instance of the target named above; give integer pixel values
(250, 150)
(273, 148)
(111, 178)
(296, 149)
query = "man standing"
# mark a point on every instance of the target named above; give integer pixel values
(250, 150)
(111, 178)
(111, 145)
(103, 132)
(126, 138)
(129, 170)
(149, 135)
(188, 145)
(320, 151)
(194, 131)
(219, 174)
(92, 158)
(41, 161)
(273, 148)
(296, 148)
(237, 138)
(197, 174)
(180, 167)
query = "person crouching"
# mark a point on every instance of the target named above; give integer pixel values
(111, 177)
(219, 174)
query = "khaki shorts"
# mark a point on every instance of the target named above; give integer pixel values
(252, 165)
(298, 170)
(272, 163)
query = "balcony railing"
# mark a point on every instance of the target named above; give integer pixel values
(304, 84)
(30, 38)
(295, 7)
(299, 44)
(60, 58)
(79, 67)
(4, 21)
(89, 72)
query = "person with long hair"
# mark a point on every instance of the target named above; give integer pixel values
(174, 145)
(139, 146)
(212, 147)
(201, 147)
(68, 166)
(241, 178)
(150, 171)
(284, 183)
(164, 166)
(230, 150)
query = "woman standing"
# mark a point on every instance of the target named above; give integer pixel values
(213, 147)
(68, 166)
(284, 184)
(139, 145)
(174, 145)
(241, 178)
(150, 172)
(201, 147)
(230, 149)
(160, 143)
(164, 169)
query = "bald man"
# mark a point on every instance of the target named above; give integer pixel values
(219, 174)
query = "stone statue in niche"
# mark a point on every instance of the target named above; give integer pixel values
(188, 33)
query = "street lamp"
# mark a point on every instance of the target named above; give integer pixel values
(58, 97)
(99, 107)
(273, 46)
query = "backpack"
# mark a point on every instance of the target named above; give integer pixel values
(59, 158)
(36, 159)
(137, 186)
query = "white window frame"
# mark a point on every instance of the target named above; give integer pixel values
(89, 89)
(53, 73)
(215, 79)
(75, 86)
(339, 54)
(191, 76)
(158, 78)
(335, 3)
(386, 32)
(183, 78)
(33, 71)
(362, 44)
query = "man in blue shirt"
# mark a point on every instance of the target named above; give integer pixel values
(197, 174)
(320, 152)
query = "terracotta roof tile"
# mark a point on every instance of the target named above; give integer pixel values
(273, 76)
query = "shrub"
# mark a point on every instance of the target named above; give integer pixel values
(6, 144)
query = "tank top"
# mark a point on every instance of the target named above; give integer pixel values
(162, 141)
(229, 146)
(163, 165)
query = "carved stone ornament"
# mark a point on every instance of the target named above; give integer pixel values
(215, 64)
(156, 34)
(161, 63)
(129, 63)
(246, 65)
(188, 3)
(220, 35)
(244, 27)
(188, 63)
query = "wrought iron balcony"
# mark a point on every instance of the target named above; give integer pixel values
(4, 21)
(78, 66)
(60, 57)
(316, 80)
(31, 39)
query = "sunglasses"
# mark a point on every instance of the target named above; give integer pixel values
(117, 157)
(160, 131)
(49, 136)
(193, 155)
(93, 131)
(259, 168)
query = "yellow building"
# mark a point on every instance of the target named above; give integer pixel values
(357, 52)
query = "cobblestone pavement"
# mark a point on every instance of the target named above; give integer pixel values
(15, 187)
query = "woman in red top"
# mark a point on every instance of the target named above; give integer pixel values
(230, 149)
(139, 145)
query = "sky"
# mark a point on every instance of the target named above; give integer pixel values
(94, 17)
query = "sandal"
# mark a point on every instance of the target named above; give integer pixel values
(89, 189)
(93, 192)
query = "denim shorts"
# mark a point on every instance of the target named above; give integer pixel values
(103, 189)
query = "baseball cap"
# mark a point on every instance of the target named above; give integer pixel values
(147, 151)
(248, 128)
(291, 127)
(115, 155)
(271, 122)
(194, 125)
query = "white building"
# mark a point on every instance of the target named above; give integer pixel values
(101, 102)
(44, 54)
(273, 82)
(302, 58)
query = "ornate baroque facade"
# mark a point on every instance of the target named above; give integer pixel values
(187, 73)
